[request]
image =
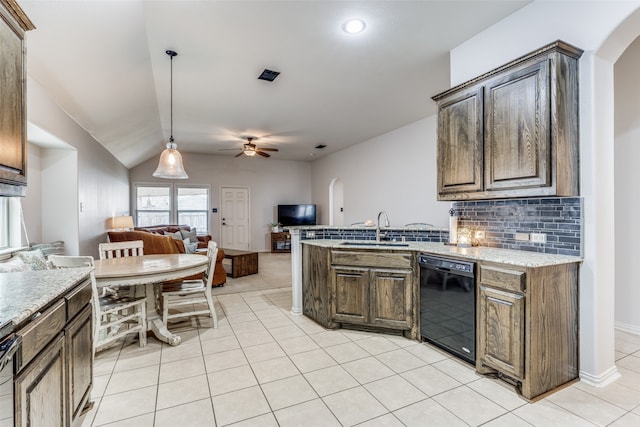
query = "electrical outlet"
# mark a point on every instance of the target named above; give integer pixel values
(311, 234)
(538, 237)
(522, 236)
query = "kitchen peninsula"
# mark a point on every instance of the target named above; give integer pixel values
(526, 303)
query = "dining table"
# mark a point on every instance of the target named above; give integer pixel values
(146, 273)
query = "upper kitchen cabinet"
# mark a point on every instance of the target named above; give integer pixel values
(512, 132)
(13, 116)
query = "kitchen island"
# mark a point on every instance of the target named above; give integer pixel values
(526, 303)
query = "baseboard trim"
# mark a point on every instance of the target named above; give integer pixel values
(626, 327)
(602, 380)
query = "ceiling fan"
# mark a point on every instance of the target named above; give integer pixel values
(250, 149)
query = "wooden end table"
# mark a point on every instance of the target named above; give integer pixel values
(243, 263)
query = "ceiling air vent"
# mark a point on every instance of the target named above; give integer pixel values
(269, 75)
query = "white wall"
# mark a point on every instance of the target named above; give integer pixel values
(627, 177)
(394, 172)
(49, 213)
(599, 28)
(270, 182)
(103, 182)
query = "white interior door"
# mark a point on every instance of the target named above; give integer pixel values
(234, 215)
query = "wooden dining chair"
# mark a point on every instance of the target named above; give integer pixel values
(188, 293)
(121, 249)
(113, 316)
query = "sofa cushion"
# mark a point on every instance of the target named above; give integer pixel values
(174, 234)
(190, 248)
(189, 234)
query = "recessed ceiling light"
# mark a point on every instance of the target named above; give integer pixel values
(354, 26)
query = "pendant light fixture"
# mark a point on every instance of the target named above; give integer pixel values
(170, 165)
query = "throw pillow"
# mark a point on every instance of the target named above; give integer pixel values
(191, 235)
(175, 235)
(14, 264)
(35, 259)
(189, 247)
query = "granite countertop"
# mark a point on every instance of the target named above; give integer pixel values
(478, 253)
(23, 294)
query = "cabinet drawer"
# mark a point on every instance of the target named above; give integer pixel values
(503, 278)
(37, 334)
(372, 259)
(78, 298)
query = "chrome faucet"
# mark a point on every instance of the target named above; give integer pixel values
(386, 224)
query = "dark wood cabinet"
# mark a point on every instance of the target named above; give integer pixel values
(512, 132)
(372, 289)
(13, 116)
(460, 154)
(55, 374)
(501, 326)
(40, 389)
(528, 325)
(281, 242)
(79, 358)
(351, 295)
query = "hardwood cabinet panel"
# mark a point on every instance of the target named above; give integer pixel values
(391, 299)
(40, 389)
(501, 338)
(460, 156)
(316, 284)
(38, 333)
(517, 137)
(79, 342)
(351, 295)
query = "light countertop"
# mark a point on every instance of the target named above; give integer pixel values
(23, 294)
(478, 253)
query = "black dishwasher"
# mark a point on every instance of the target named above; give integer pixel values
(448, 305)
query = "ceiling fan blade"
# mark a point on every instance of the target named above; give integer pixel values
(262, 154)
(230, 149)
(268, 149)
(239, 154)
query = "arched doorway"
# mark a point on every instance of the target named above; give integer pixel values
(336, 202)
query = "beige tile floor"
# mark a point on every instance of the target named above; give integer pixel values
(265, 367)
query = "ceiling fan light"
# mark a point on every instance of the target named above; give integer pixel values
(170, 164)
(250, 153)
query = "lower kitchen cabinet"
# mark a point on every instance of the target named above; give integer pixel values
(54, 377)
(368, 289)
(40, 389)
(528, 325)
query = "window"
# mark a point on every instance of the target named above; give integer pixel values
(153, 205)
(4, 223)
(192, 207)
(172, 204)
(10, 224)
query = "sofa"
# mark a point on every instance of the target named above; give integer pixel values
(159, 244)
(203, 241)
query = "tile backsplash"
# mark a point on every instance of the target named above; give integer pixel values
(559, 218)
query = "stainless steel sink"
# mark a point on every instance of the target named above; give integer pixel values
(375, 244)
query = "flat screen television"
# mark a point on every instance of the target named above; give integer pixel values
(290, 215)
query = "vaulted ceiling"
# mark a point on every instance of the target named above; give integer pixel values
(104, 63)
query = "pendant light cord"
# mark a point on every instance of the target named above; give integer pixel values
(171, 54)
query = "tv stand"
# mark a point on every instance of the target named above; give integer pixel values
(281, 242)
